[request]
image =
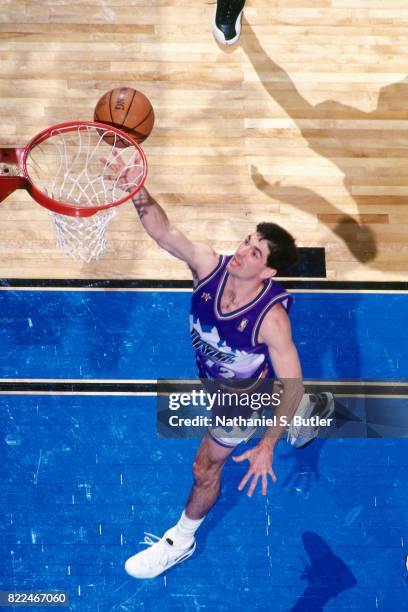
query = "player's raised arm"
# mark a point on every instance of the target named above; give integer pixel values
(201, 258)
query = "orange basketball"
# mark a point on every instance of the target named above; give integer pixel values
(128, 110)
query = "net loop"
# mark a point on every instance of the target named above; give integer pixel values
(82, 238)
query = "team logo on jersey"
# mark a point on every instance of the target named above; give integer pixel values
(242, 325)
(205, 296)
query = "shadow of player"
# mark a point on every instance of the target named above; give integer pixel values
(305, 470)
(336, 144)
(357, 237)
(326, 574)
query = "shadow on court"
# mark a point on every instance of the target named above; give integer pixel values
(305, 471)
(325, 573)
(299, 480)
(335, 143)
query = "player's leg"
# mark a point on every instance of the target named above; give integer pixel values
(210, 459)
(227, 21)
(178, 543)
(320, 405)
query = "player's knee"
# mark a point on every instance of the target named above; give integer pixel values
(206, 472)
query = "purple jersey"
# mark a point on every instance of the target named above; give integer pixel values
(227, 345)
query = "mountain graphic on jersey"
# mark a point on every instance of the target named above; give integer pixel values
(227, 344)
(219, 359)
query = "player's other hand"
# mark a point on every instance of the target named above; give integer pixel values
(260, 465)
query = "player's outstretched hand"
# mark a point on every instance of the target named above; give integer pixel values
(115, 169)
(260, 465)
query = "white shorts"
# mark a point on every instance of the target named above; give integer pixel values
(219, 435)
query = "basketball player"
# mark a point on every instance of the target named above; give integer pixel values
(240, 328)
(227, 21)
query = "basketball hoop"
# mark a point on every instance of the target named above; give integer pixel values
(68, 169)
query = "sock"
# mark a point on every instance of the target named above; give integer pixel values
(185, 529)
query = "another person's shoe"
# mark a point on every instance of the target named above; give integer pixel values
(161, 555)
(227, 21)
(321, 405)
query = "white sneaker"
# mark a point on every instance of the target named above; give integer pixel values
(321, 405)
(161, 555)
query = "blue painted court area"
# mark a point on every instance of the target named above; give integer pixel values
(144, 335)
(85, 475)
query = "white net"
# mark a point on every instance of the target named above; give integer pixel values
(84, 167)
(82, 238)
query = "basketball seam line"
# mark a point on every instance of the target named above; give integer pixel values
(129, 107)
(140, 122)
(110, 106)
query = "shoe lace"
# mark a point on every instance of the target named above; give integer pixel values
(150, 539)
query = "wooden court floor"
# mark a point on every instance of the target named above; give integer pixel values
(304, 123)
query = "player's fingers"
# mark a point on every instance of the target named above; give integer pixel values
(241, 457)
(253, 485)
(114, 160)
(272, 475)
(108, 166)
(264, 483)
(111, 158)
(111, 168)
(244, 480)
